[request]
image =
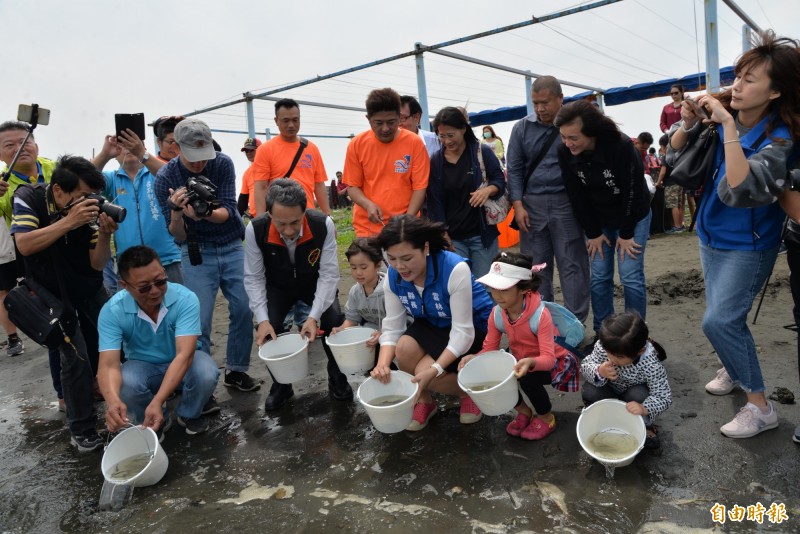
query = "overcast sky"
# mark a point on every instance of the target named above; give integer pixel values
(86, 60)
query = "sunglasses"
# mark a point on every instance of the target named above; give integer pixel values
(146, 289)
(673, 94)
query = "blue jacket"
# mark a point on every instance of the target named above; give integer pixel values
(144, 224)
(494, 174)
(434, 304)
(724, 227)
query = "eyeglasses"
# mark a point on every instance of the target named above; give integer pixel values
(146, 288)
(450, 135)
(404, 117)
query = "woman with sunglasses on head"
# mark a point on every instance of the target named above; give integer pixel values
(672, 111)
(455, 195)
(450, 310)
(739, 220)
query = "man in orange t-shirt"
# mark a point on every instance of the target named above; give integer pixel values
(247, 198)
(274, 158)
(386, 168)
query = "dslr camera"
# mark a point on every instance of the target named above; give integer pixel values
(115, 212)
(202, 195)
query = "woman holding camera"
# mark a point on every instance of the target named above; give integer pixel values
(739, 220)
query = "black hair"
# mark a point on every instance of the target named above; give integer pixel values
(491, 130)
(287, 103)
(71, 170)
(413, 104)
(164, 126)
(526, 262)
(454, 118)
(135, 257)
(624, 334)
(645, 137)
(9, 126)
(549, 83)
(415, 231)
(385, 99)
(679, 87)
(663, 140)
(652, 150)
(594, 122)
(365, 245)
(286, 192)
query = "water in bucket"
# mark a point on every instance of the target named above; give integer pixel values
(612, 444)
(388, 400)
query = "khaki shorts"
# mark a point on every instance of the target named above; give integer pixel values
(672, 196)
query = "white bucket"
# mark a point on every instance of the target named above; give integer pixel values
(610, 415)
(494, 367)
(394, 418)
(349, 348)
(135, 441)
(286, 357)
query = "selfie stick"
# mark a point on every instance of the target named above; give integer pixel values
(34, 122)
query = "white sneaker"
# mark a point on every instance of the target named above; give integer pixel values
(722, 383)
(750, 421)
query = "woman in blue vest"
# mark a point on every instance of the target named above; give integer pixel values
(450, 310)
(739, 221)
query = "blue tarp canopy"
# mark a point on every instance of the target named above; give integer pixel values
(612, 97)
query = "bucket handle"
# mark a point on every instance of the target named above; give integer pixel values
(150, 452)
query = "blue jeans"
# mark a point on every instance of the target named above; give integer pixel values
(110, 276)
(222, 268)
(141, 381)
(631, 275)
(733, 278)
(481, 258)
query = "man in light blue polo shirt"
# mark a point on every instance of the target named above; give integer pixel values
(157, 324)
(132, 187)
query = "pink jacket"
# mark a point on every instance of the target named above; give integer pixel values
(522, 342)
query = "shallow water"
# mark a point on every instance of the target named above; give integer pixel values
(483, 386)
(612, 444)
(387, 400)
(129, 467)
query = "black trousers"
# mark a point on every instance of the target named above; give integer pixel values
(532, 384)
(793, 258)
(280, 301)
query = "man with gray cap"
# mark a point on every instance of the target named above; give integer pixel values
(197, 193)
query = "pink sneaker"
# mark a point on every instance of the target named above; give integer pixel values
(469, 412)
(538, 429)
(422, 414)
(519, 424)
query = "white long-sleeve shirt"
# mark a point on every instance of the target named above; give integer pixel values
(462, 331)
(255, 276)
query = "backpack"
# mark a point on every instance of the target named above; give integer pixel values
(570, 329)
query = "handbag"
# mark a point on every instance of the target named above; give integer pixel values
(697, 160)
(495, 210)
(38, 314)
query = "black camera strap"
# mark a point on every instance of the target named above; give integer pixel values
(535, 163)
(303, 145)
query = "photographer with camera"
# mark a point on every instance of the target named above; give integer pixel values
(61, 225)
(197, 194)
(132, 186)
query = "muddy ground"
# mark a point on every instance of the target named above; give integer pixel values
(319, 466)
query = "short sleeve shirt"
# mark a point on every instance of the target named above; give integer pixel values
(274, 158)
(123, 325)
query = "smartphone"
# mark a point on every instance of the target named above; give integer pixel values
(133, 121)
(25, 114)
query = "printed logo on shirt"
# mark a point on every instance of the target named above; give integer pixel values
(607, 173)
(306, 162)
(402, 165)
(121, 191)
(313, 256)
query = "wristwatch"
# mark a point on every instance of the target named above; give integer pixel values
(145, 157)
(439, 369)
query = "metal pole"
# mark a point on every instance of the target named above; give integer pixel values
(422, 89)
(269, 134)
(601, 102)
(712, 46)
(251, 118)
(747, 38)
(528, 95)
(742, 15)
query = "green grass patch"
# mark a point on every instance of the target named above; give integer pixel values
(345, 234)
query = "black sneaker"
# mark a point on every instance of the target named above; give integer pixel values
(279, 394)
(340, 389)
(210, 407)
(15, 346)
(194, 426)
(240, 381)
(166, 426)
(87, 443)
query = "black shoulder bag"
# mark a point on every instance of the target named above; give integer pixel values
(697, 160)
(303, 145)
(532, 167)
(33, 309)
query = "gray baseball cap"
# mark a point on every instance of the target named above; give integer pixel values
(194, 138)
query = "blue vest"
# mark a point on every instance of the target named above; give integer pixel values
(434, 303)
(724, 227)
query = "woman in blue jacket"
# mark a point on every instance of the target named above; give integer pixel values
(757, 121)
(450, 310)
(455, 196)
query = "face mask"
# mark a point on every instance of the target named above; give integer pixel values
(487, 135)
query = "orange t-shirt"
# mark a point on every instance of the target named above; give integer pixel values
(274, 158)
(387, 173)
(248, 188)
